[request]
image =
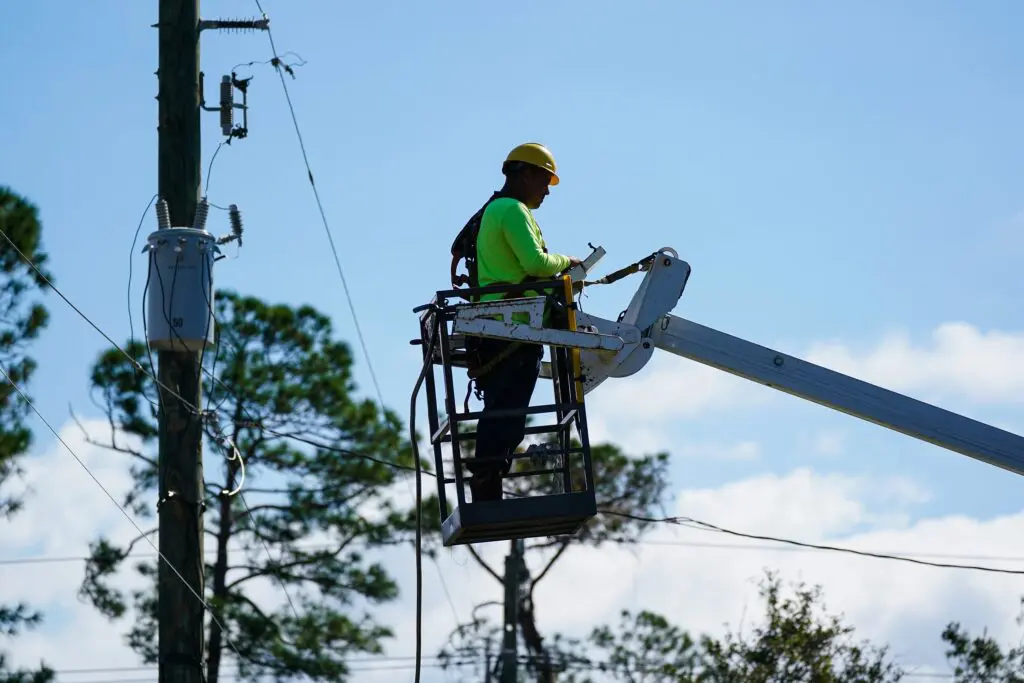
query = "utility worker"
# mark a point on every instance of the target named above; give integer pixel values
(509, 249)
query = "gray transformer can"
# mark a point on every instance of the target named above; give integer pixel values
(180, 298)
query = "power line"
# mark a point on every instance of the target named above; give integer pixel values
(55, 559)
(131, 267)
(682, 521)
(686, 521)
(323, 216)
(334, 449)
(193, 409)
(383, 659)
(358, 669)
(362, 341)
(124, 512)
(135, 363)
(383, 664)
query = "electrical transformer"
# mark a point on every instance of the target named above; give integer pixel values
(180, 295)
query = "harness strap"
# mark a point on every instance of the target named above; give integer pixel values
(474, 373)
(464, 246)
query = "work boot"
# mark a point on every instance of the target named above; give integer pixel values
(485, 487)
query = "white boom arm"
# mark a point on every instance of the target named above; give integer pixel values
(646, 325)
(841, 392)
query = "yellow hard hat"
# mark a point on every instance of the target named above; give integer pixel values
(535, 154)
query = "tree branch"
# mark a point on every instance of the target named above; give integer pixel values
(547, 567)
(131, 544)
(483, 564)
(257, 508)
(276, 568)
(113, 442)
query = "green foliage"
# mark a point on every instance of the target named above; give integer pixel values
(21, 322)
(633, 487)
(980, 659)
(798, 642)
(645, 646)
(13, 620)
(284, 394)
(472, 649)
(43, 674)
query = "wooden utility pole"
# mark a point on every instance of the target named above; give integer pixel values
(181, 325)
(515, 571)
(181, 636)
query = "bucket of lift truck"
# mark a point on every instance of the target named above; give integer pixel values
(563, 465)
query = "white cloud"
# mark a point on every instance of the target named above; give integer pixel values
(959, 364)
(959, 360)
(670, 387)
(703, 587)
(637, 411)
(66, 510)
(741, 451)
(700, 586)
(828, 442)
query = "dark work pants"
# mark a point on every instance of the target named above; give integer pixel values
(508, 385)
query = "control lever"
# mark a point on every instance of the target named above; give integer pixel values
(579, 272)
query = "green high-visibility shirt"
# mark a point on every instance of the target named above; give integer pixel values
(510, 246)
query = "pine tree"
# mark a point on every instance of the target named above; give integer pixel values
(314, 504)
(21, 321)
(628, 489)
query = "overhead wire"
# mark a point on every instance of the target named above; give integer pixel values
(419, 664)
(213, 157)
(392, 664)
(131, 264)
(276, 61)
(193, 410)
(131, 520)
(323, 216)
(668, 520)
(683, 521)
(92, 324)
(769, 547)
(686, 521)
(366, 664)
(427, 365)
(417, 469)
(235, 677)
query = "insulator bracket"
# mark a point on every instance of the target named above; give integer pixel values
(228, 105)
(235, 24)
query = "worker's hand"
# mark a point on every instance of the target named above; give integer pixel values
(573, 261)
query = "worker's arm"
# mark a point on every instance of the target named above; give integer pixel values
(525, 245)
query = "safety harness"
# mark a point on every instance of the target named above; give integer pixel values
(464, 248)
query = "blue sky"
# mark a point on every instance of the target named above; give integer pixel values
(831, 171)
